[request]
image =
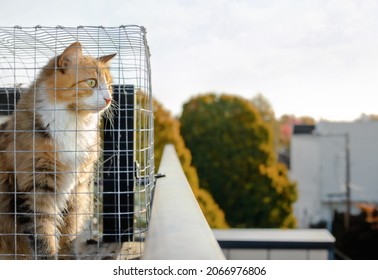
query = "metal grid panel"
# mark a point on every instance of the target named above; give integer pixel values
(122, 178)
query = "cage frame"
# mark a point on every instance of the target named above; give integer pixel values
(121, 225)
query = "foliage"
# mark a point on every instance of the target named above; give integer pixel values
(267, 114)
(232, 149)
(264, 107)
(286, 123)
(167, 131)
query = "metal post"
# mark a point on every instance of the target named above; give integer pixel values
(347, 193)
(347, 182)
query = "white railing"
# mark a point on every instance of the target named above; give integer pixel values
(178, 229)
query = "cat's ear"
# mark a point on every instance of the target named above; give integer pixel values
(69, 56)
(106, 59)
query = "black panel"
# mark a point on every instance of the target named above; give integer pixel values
(8, 100)
(118, 196)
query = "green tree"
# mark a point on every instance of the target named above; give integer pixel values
(233, 152)
(267, 114)
(167, 131)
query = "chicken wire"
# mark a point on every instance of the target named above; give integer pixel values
(123, 178)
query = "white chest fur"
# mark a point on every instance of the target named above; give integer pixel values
(75, 136)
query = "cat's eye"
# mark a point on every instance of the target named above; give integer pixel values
(91, 82)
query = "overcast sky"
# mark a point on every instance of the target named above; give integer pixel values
(316, 58)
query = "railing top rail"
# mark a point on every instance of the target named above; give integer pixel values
(178, 228)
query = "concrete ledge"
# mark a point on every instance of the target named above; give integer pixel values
(178, 229)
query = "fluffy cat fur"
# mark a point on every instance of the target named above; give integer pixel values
(48, 149)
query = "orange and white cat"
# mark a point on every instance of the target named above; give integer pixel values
(48, 151)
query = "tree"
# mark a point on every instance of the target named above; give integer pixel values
(233, 152)
(264, 107)
(167, 131)
(267, 114)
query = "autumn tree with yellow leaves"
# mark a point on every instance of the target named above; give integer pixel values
(167, 131)
(233, 151)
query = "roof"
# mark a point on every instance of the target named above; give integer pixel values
(303, 129)
(275, 238)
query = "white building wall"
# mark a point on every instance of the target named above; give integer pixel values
(363, 156)
(318, 165)
(305, 157)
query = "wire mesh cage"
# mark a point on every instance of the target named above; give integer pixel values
(76, 142)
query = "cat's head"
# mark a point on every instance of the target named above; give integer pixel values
(78, 82)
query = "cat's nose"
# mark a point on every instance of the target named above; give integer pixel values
(108, 100)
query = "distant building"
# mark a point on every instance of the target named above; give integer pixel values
(319, 166)
(275, 244)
